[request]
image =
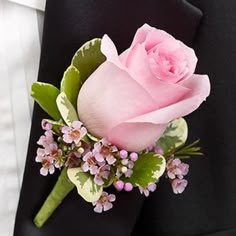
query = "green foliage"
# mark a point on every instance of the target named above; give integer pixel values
(175, 135)
(88, 58)
(45, 95)
(66, 109)
(147, 169)
(186, 151)
(71, 84)
(86, 187)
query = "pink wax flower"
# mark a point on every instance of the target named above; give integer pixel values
(102, 173)
(176, 168)
(46, 139)
(73, 160)
(155, 148)
(49, 157)
(104, 151)
(133, 156)
(90, 163)
(119, 185)
(46, 160)
(131, 97)
(46, 125)
(104, 203)
(74, 133)
(150, 188)
(179, 185)
(128, 187)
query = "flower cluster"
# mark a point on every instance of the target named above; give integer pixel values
(57, 153)
(175, 171)
(50, 153)
(99, 161)
(70, 146)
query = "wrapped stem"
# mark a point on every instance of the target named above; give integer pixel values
(61, 189)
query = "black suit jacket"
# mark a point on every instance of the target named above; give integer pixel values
(207, 207)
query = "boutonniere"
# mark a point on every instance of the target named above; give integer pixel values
(117, 120)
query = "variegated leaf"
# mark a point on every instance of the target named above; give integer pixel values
(66, 109)
(147, 169)
(175, 135)
(86, 187)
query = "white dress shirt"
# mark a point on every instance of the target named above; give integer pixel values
(19, 61)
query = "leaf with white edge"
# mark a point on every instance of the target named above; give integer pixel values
(45, 95)
(71, 84)
(174, 136)
(86, 187)
(66, 109)
(88, 58)
(147, 169)
(92, 137)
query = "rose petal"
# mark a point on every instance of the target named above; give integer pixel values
(118, 101)
(163, 93)
(135, 136)
(191, 58)
(200, 89)
(108, 48)
(155, 37)
(141, 34)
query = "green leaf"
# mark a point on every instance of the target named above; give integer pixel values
(66, 109)
(174, 136)
(188, 150)
(147, 169)
(88, 58)
(45, 95)
(71, 84)
(86, 187)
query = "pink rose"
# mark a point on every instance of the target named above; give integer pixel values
(131, 98)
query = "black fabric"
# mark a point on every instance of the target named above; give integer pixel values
(208, 206)
(68, 24)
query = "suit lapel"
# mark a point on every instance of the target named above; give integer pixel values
(68, 24)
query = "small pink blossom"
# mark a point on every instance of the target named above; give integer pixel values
(133, 156)
(155, 148)
(47, 166)
(119, 185)
(104, 203)
(176, 168)
(54, 151)
(46, 125)
(74, 133)
(104, 151)
(46, 139)
(179, 185)
(127, 167)
(123, 154)
(90, 163)
(102, 173)
(150, 188)
(73, 160)
(49, 157)
(128, 187)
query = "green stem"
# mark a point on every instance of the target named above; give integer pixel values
(61, 189)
